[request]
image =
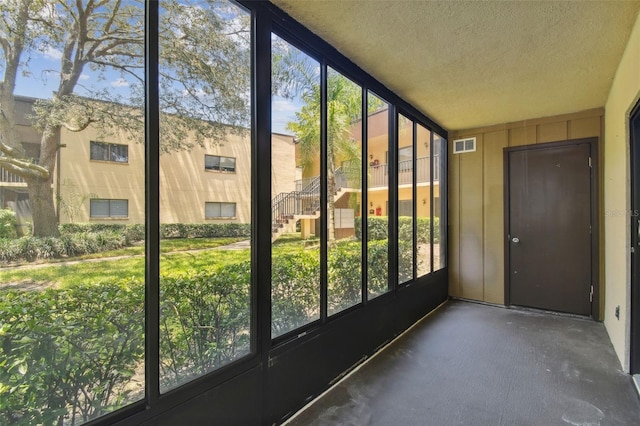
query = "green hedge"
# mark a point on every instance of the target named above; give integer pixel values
(8, 224)
(32, 248)
(378, 228)
(136, 232)
(204, 322)
(70, 355)
(205, 230)
(85, 238)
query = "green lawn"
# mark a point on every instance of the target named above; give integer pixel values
(176, 259)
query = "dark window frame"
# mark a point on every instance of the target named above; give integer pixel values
(219, 167)
(110, 147)
(220, 204)
(109, 215)
(266, 18)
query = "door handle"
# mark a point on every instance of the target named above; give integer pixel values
(515, 240)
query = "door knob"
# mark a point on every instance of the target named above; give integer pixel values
(515, 240)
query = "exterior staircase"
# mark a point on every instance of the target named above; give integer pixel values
(287, 208)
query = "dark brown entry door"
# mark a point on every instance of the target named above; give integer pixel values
(549, 235)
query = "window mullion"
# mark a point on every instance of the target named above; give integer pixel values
(432, 213)
(364, 185)
(392, 218)
(324, 152)
(152, 205)
(414, 177)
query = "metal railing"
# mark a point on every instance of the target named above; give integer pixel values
(305, 200)
(288, 204)
(7, 177)
(379, 175)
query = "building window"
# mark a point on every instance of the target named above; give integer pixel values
(109, 208)
(216, 210)
(102, 151)
(219, 163)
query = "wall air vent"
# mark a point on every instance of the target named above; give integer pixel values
(464, 145)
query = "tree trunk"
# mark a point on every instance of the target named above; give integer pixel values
(43, 210)
(331, 189)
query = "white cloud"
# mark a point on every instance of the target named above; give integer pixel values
(283, 105)
(51, 53)
(121, 82)
(84, 77)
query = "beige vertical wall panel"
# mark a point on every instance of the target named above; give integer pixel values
(454, 227)
(476, 198)
(552, 132)
(523, 136)
(584, 128)
(493, 205)
(471, 223)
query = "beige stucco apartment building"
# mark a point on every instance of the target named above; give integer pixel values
(377, 181)
(100, 179)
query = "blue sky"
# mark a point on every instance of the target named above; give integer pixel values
(40, 79)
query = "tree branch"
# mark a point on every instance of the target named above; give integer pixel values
(23, 168)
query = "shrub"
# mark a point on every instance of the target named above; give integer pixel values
(295, 290)
(68, 355)
(33, 248)
(136, 232)
(344, 275)
(8, 224)
(378, 228)
(132, 233)
(205, 321)
(204, 230)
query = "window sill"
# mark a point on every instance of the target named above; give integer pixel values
(225, 172)
(221, 218)
(109, 218)
(124, 163)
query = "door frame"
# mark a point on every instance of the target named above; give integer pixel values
(634, 171)
(595, 217)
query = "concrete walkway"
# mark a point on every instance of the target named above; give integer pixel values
(471, 364)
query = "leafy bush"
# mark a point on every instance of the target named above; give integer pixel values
(69, 355)
(204, 230)
(344, 275)
(205, 322)
(132, 233)
(136, 232)
(8, 224)
(32, 248)
(378, 228)
(295, 291)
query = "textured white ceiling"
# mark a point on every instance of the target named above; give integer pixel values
(475, 63)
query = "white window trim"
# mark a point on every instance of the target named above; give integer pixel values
(464, 145)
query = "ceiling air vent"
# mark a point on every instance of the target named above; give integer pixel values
(464, 145)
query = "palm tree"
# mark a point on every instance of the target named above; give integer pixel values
(344, 108)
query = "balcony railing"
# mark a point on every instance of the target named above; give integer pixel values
(379, 175)
(8, 177)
